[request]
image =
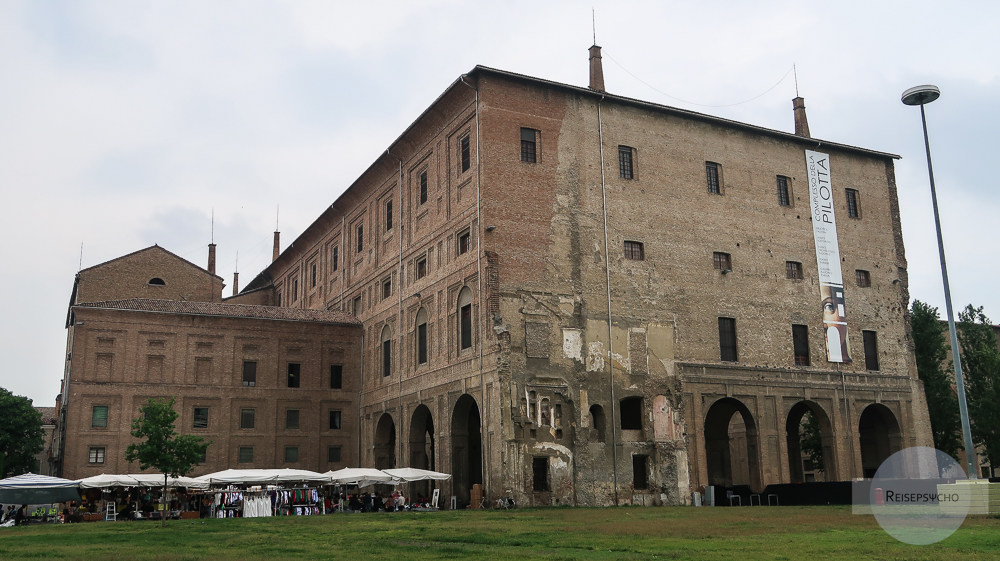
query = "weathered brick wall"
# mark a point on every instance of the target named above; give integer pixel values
(129, 276)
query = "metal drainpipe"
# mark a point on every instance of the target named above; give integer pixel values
(479, 290)
(607, 273)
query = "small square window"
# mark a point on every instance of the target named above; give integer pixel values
(626, 162)
(793, 270)
(200, 417)
(333, 454)
(421, 268)
(245, 455)
(335, 419)
(423, 187)
(99, 416)
(96, 455)
(294, 369)
(247, 418)
(784, 199)
(386, 288)
(464, 154)
(529, 145)
(291, 454)
(712, 175)
(863, 278)
(291, 419)
(464, 242)
(722, 261)
(853, 206)
(634, 251)
(336, 376)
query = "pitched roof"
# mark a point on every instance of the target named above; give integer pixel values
(151, 248)
(225, 310)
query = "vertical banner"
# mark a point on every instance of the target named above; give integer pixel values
(831, 281)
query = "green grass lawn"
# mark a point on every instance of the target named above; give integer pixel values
(792, 533)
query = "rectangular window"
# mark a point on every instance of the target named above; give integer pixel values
(335, 419)
(528, 145)
(200, 417)
(712, 175)
(464, 153)
(336, 376)
(722, 262)
(421, 268)
(422, 343)
(727, 340)
(634, 251)
(361, 237)
(793, 270)
(871, 350)
(466, 327)
(423, 187)
(388, 216)
(249, 373)
(335, 259)
(386, 358)
(294, 369)
(356, 306)
(312, 276)
(783, 198)
(99, 416)
(800, 344)
(863, 278)
(853, 208)
(464, 242)
(626, 162)
(386, 288)
(333, 454)
(245, 455)
(96, 455)
(640, 478)
(295, 289)
(291, 419)
(247, 418)
(540, 474)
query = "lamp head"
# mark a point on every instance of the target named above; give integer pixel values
(920, 95)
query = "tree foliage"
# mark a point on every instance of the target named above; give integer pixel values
(933, 355)
(981, 366)
(163, 449)
(21, 434)
(811, 442)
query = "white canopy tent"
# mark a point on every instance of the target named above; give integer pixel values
(263, 476)
(414, 474)
(362, 477)
(107, 480)
(32, 488)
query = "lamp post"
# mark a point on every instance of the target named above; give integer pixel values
(922, 95)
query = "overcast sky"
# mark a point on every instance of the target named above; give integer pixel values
(125, 123)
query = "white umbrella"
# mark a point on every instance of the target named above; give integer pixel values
(106, 480)
(414, 474)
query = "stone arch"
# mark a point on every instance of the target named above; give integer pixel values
(731, 447)
(466, 447)
(422, 455)
(799, 416)
(385, 442)
(879, 436)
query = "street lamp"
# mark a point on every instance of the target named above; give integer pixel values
(922, 95)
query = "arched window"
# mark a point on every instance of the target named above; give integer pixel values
(157, 281)
(386, 351)
(597, 421)
(421, 336)
(464, 319)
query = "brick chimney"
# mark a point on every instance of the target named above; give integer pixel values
(596, 69)
(277, 246)
(801, 123)
(211, 258)
(236, 283)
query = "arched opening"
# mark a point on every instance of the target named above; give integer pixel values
(421, 337)
(809, 435)
(386, 348)
(466, 448)
(465, 319)
(422, 447)
(879, 435)
(385, 442)
(598, 422)
(731, 449)
(157, 281)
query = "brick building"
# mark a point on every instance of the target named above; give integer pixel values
(575, 297)
(269, 387)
